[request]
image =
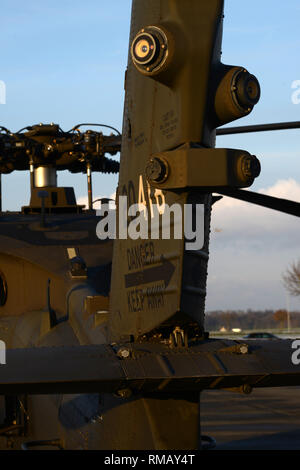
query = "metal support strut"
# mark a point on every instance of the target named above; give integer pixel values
(89, 183)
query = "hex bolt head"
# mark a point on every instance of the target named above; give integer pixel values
(123, 353)
(244, 349)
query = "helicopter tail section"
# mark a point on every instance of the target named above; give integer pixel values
(177, 93)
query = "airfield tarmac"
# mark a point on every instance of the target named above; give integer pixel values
(267, 419)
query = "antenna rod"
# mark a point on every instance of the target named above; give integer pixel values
(280, 126)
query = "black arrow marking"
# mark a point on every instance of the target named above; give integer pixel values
(164, 272)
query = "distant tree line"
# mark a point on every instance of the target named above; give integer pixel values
(251, 320)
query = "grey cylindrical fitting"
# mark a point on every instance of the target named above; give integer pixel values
(45, 176)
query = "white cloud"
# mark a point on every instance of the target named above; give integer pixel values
(250, 248)
(244, 222)
(288, 189)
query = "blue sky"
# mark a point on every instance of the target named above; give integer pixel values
(64, 62)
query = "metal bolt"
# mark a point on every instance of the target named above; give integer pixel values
(123, 353)
(124, 393)
(244, 349)
(157, 170)
(247, 389)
